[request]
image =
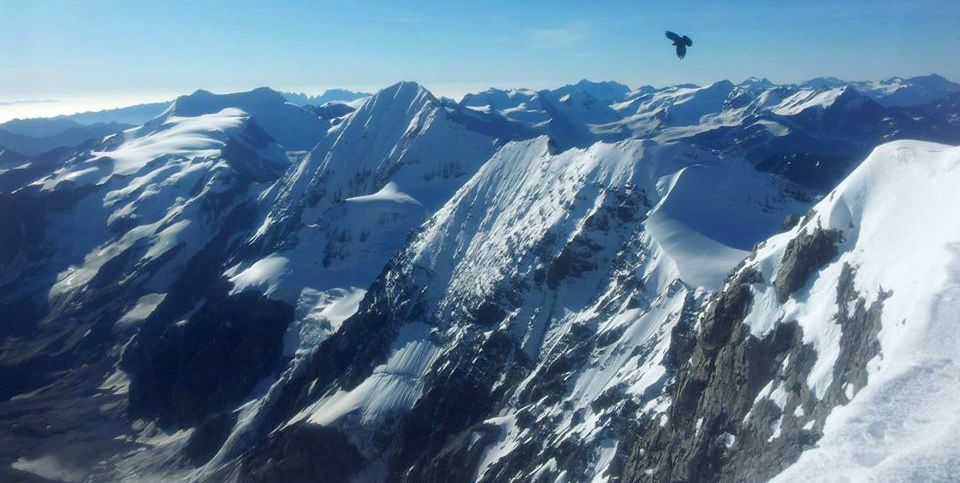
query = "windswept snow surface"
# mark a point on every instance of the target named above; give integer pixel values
(389, 193)
(289, 125)
(808, 99)
(900, 234)
(199, 136)
(263, 275)
(193, 127)
(711, 214)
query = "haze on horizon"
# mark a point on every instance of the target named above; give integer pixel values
(72, 56)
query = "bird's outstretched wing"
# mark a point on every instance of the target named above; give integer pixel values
(674, 37)
(687, 41)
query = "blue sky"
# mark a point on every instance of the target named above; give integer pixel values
(107, 49)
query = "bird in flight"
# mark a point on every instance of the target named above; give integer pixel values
(681, 43)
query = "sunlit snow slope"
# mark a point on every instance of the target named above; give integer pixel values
(840, 336)
(900, 236)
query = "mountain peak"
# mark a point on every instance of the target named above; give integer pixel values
(724, 84)
(587, 83)
(762, 82)
(290, 125)
(603, 90)
(934, 80)
(205, 102)
(405, 89)
(822, 83)
(401, 93)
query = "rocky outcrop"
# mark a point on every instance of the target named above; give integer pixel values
(805, 254)
(741, 408)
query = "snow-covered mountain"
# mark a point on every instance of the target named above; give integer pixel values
(329, 95)
(895, 91)
(812, 133)
(579, 284)
(829, 354)
(39, 135)
(521, 293)
(46, 135)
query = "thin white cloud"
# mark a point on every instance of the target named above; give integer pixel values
(566, 36)
(28, 101)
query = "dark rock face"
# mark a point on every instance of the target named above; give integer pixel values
(431, 442)
(209, 436)
(434, 442)
(860, 325)
(215, 357)
(725, 424)
(43, 337)
(24, 217)
(574, 259)
(452, 454)
(728, 310)
(457, 460)
(789, 222)
(302, 453)
(719, 380)
(345, 359)
(805, 255)
(71, 419)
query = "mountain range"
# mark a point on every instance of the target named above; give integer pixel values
(734, 282)
(38, 135)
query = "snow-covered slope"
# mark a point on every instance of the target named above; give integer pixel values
(341, 212)
(902, 246)
(519, 105)
(122, 230)
(848, 324)
(517, 287)
(897, 91)
(811, 133)
(532, 267)
(607, 91)
(291, 126)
